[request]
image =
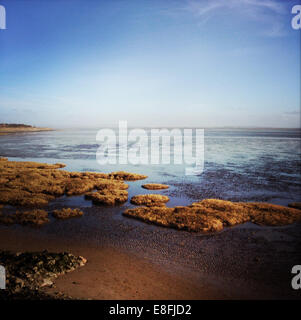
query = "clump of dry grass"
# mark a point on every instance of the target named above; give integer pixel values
(7, 219)
(32, 184)
(213, 215)
(155, 186)
(108, 184)
(77, 186)
(67, 213)
(38, 217)
(34, 217)
(108, 196)
(122, 175)
(296, 205)
(150, 200)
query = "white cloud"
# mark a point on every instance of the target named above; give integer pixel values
(270, 13)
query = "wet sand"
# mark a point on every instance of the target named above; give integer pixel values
(128, 259)
(109, 273)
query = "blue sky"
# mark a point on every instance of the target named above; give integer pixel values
(88, 63)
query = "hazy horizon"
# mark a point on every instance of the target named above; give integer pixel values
(95, 127)
(204, 64)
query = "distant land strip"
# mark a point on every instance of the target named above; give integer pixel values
(8, 128)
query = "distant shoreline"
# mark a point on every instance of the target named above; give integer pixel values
(10, 129)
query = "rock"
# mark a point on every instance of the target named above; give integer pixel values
(83, 260)
(27, 272)
(46, 283)
(19, 282)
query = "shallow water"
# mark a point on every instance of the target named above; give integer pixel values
(240, 164)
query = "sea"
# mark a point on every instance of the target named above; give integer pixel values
(238, 164)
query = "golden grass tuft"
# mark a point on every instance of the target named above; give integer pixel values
(34, 217)
(122, 175)
(67, 213)
(149, 200)
(33, 184)
(155, 186)
(212, 215)
(108, 196)
(296, 205)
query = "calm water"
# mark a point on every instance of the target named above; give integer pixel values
(249, 165)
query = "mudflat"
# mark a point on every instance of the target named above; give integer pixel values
(147, 262)
(109, 273)
(250, 256)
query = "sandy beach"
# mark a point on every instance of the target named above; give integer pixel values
(133, 260)
(110, 273)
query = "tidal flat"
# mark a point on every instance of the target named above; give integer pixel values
(246, 256)
(225, 237)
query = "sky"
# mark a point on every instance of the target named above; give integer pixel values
(162, 63)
